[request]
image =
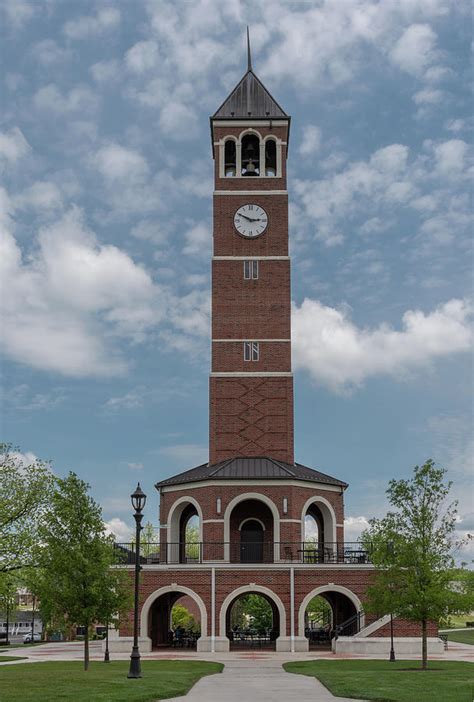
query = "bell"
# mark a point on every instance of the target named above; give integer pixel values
(250, 167)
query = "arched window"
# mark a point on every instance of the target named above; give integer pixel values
(230, 163)
(270, 158)
(250, 155)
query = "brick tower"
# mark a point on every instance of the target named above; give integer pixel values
(251, 383)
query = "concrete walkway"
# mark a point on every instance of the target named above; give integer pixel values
(257, 681)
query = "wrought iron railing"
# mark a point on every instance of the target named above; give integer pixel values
(343, 553)
(350, 627)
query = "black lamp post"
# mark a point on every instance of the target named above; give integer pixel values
(7, 640)
(138, 503)
(106, 654)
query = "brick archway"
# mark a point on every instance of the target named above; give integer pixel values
(182, 589)
(261, 498)
(327, 589)
(256, 590)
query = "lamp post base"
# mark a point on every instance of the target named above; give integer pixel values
(135, 666)
(392, 654)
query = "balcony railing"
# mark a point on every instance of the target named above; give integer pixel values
(343, 553)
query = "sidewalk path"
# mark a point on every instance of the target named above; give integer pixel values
(257, 680)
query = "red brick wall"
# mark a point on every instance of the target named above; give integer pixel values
(235, 315)
(251, 416)
(297, 496)
(402, 627)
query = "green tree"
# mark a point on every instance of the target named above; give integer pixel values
(149, 540)
(181, 616)
(413, 547)
(318, 610)
(255, 610)
(25, 491)
(8, 589)
(75, 583)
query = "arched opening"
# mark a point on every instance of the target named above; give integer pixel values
(325, 609)
(251, 533)
(318, 620)
(270, 158)
(250, 155)
(230, 159)
(184, 532)
(174, 621)
(319, 532)
(252, 621)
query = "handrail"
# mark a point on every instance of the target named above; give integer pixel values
(301, 553)
(351, 623)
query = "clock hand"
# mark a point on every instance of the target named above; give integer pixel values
(245, 217)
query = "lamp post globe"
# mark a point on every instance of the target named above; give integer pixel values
(138, 499)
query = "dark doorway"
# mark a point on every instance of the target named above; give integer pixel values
(252, 621)
(251, 542)
(166, 633)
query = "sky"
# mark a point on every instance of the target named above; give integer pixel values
(106, 195)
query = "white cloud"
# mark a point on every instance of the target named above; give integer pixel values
(135, 466)
(105, 71)
(450, 157)
(131, 400)
(69, 300)
(119, 529)
(23, 398)
(48, 52)
(105, 20)
(354, 526)
(42, 195)
(198, 240)
(415, 49)
(115, 162)
(79, 99)
(428, 96)
(142, 57)
(13, 145)
(310, 141)
(455, 125)
(342, 356)
(18, 12)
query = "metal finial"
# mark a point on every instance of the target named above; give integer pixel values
(249, 56)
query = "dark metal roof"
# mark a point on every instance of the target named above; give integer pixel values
(258, 468)
(250, 98)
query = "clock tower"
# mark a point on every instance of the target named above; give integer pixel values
(251, 382)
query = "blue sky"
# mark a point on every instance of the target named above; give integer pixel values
(106, 234)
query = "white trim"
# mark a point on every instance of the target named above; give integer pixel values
(256, 483)
(251, 192)
(339, 525)
(270, 374)
(298, 521)
(211, 521)
(250, 258)
(261, 498)
(233, 341)
(251, 519)
(225, 565)
(321, 590)
(292, 609)
(173, 524)
(213, 610)
(329, 519)
(250, 122)
(252, 588)
(144, 614)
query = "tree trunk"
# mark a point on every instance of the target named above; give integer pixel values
(424, 645)
(86, 649)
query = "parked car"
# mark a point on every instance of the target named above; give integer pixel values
(27, 638)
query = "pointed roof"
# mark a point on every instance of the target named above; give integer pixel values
(258, 468)
(250, 98)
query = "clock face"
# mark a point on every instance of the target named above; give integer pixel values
(250, 220)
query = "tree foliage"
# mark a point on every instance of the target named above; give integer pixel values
(25, 491)
(75, 582)
(318, 610)
(413, 548)
(181, 616)
(252, 610)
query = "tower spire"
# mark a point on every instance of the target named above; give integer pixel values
(249, 55)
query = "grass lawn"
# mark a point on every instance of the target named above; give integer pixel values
(465, 637)
(4, 659)
(449, 681)
(104, 682)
